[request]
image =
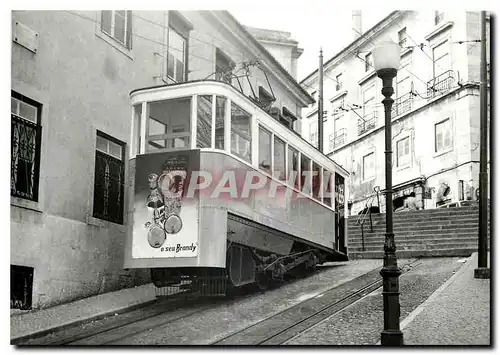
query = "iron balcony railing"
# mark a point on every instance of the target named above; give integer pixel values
(402, 104)
(25, 158)
(339, 138)
(369, 123)
(440, 84)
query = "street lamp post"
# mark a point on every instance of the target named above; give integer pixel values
(386, 57)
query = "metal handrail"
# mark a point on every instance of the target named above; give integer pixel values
(361, 219)
(440, 84)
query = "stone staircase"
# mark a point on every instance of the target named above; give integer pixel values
(426, 233)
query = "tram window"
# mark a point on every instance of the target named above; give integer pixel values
(204, 122)
(264, 150)
(157, 127)
(316, 181)
(327, 187)
(293, 166)
(305, 168)
(168, 124)
(279, 159)
(240, 133)
(220, 113)
(180, 142)
(136, 144)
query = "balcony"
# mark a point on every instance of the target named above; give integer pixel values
(369, 122)
(440, 84)
(402, 104)
(339, 139)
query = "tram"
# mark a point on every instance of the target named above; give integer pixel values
(223, 194)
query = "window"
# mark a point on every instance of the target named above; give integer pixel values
(118, 25)
(441, 58)
(293, 166)
(438, 17)
(368, 62)
(176, 56)
(21, 286)
(279, 159)
(305, 168)
(402, 37)
(369, 166)
(223, 67)
(327, 188)
(442, 132)
(109, 179)
(314, 95)
(264, 149)
(403, 152)
(240, 133)
(368, 100)
(169, 124)
(204, 122)
(316, 181)
(220, 113)
(313, 133)
(338, 79)
(26, 134)
(403, 82)
(157, 127)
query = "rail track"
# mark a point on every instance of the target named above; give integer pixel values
(272, 330)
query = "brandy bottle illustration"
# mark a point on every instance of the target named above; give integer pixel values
(171, 184)
(156, 233)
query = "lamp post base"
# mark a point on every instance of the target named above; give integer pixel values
(391, 338)
(482, 273)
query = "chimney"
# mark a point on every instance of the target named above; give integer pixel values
(357, 28)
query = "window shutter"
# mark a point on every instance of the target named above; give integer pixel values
(129, 30)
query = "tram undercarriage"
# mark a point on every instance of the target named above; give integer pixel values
(255, 254)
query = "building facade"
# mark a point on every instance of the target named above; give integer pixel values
(72, 72)
(435, 129)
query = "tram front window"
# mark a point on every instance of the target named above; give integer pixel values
(220, 113)
(204, 123)
(168, 124)
(240, 133)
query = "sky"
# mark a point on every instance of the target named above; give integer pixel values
(324, 27)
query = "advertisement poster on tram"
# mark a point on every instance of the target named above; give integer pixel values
(165, 222)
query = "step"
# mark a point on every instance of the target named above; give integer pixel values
(416, 247)
(405, 254)
(414, 241)
(431, 218)
(424, 228)
(417, 233)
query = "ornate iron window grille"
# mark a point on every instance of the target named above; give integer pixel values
(339, 138)
(368, 124)
(402, 104)
(21, 287)
(108, 188)
(440, 84)
(25, 158)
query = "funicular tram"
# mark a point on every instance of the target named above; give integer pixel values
(222, 194)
